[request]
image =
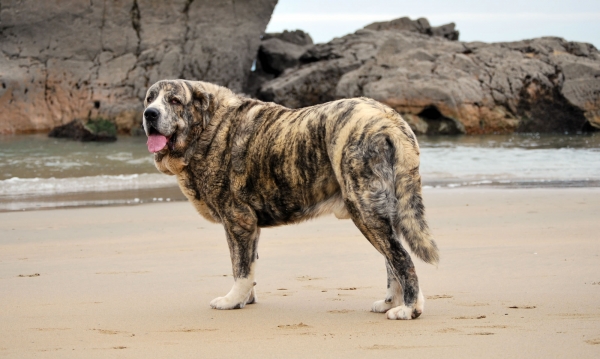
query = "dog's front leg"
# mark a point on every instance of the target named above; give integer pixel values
(242, 237)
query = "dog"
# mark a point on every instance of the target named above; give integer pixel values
(249, 164)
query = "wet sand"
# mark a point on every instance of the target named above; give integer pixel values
(519, 277)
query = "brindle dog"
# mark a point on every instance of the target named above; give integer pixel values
(249, 164)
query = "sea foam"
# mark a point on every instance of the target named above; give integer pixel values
(16, 186)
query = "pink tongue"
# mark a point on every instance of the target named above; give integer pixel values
(156, 143)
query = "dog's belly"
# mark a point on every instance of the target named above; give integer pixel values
(274, 211)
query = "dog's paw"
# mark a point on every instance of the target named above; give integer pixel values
(227, 302)
(401, 312)
(405, 313)
(381, 306)
(234, 300)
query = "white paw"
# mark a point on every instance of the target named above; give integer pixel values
(240, 294)
(381, 306)
(406, 313)
(401, 312)
(227, 302)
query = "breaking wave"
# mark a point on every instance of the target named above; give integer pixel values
(16, 186)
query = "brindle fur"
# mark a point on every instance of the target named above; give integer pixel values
(249, 164)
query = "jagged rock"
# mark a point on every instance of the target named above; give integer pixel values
(440, 86)
(87, 59)
(277, 52)
(420, 25)
(94, 130)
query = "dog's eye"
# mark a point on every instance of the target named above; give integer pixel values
(174, 101)
(149, 99)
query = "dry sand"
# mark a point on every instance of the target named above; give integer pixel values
(519, 277)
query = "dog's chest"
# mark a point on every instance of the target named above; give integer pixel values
(195, 194)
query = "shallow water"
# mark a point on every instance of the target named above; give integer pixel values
(40, 172)
(521, 160)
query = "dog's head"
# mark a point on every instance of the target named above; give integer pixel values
(176, 111)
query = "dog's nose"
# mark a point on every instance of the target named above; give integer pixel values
(151, 114)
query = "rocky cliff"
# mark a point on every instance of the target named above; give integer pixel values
(444, 87)
(79, 59)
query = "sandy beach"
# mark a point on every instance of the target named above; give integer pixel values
(519, 277)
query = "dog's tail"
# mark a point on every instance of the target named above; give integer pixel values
(410, 219)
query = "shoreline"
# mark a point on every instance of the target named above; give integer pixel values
(134, 197)
(139, 279)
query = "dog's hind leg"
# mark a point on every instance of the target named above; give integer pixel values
(242, 237)
(368, 182)
(404, 299)
(393, 299)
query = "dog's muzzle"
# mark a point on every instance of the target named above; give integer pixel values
(151, 115)
(156, 140)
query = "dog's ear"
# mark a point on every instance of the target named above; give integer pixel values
(204, 103)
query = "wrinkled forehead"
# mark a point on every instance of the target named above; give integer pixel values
(170, 89)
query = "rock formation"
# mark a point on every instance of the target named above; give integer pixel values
(81, 59)
(277, 52)
(420, 25)
(445, 87)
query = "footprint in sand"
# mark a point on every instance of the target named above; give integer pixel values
(341, 311)
(307, 278)
(522, 307)
(293, 326)
(473, 304)
(106, 331)
(491, 326)
(449, 330)
(477, 317)
(113, 332)
(381, 347)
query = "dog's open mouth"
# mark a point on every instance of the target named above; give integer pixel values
(157, 142)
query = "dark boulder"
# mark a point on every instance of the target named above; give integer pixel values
(94, 130)
(277, 52)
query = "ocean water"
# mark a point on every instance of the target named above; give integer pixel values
(38, 172)
(518, 160)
